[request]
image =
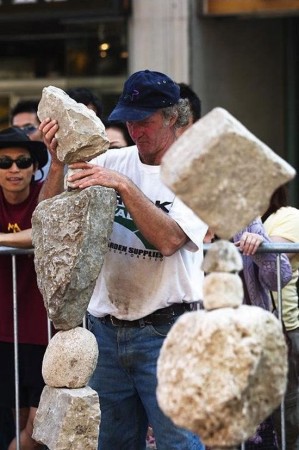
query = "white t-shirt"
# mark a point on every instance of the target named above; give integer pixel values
(136, 279)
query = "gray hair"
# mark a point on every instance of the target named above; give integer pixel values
(180, 110)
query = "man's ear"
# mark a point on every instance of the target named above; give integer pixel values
(173, 119)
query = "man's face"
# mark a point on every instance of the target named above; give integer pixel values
(15, 181)
(28, 121)
(153, 136)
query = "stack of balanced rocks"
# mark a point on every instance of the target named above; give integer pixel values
(70, 235)
(223, 370)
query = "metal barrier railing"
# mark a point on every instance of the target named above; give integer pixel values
(276, 248)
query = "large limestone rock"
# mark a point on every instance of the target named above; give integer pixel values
(81, 135)
(70, 358)
(222, 372)
(223, 172)
(68, 419)
(70, 234)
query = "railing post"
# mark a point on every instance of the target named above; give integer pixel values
(16, 354)
(280, 316)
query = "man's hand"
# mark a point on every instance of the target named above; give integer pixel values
(49, 129)
(92, 175)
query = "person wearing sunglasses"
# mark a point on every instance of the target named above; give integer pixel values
(24, 116)
(20, 158)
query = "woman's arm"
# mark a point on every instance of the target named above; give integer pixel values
(267, 262)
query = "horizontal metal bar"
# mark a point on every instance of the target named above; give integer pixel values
(15, 251)
(267, 247)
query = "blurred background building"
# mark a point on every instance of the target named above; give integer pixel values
(242, 55)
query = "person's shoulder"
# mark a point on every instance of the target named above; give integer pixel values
(287, 213)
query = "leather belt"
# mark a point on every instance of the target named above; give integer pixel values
(162, 316)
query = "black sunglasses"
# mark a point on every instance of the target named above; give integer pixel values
(23, 162)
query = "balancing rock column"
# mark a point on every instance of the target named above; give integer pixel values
(222, 370)
(68, 416)
(70, 233)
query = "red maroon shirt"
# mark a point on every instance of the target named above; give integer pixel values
(32, 314)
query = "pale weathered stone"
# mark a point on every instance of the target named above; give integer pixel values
(81, 135)
(223, 172)
(70, 358)
(222, 256)
(70, 234)
(222, 372)
(68, 419)
(221, 290)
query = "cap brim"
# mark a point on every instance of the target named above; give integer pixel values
(37, 148)
(123, 113)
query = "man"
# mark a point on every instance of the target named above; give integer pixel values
(19, 159)
(151, 273)
(24, 116)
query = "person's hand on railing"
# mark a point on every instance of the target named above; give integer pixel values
(249, 243)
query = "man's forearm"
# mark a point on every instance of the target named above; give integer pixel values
(21, 239)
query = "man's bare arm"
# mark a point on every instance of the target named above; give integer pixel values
(21, 239)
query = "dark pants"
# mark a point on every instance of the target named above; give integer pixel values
(7, 427)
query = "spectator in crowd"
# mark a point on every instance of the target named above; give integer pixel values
(24, 116)
(155, 275)
(118, 134)
(187, 92)
(20, 157)
(281, 222)
(259, 276)
(88, 98)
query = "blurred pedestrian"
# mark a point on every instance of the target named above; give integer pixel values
(281, 221)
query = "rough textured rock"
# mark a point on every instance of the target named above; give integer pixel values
(81, 135)
(223, 172)
(222, 372)
(70, 358)
(222, 290)
(70, 234)
(68, 419)
(222, 256)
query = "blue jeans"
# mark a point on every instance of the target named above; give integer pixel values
(125, 379)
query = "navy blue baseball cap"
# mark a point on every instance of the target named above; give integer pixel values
(144, 93)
